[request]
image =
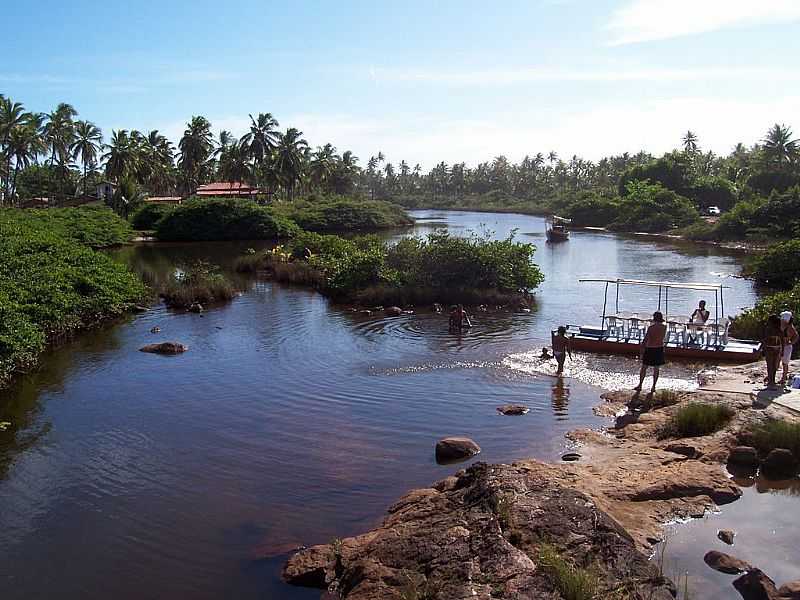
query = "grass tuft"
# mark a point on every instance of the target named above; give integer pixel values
(777, 434)
(573, 583)
(202, 283)
(696, 419)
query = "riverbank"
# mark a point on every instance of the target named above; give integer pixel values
(485, 531)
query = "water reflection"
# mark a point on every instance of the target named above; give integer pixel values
(560, 399)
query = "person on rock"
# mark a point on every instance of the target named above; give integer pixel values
(790, 338)
(652, 350)
(772, 347)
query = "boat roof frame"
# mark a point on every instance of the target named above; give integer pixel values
(710, 287)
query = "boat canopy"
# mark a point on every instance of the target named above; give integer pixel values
(557, 219)
(709, 287)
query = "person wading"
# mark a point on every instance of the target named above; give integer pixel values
(652, 352)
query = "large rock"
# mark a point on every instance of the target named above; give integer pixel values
(513, 409)
(393, 311)
(479, 537)
(743, 456)
(164, 348)
(779, 463)
(725, 563)
(790, 591)
(755, 585)
(726, 536)
(452, 449)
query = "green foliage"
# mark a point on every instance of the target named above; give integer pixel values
(767, 181)
(778, 266)
(672, 171)
(51, 284)
(777, 217)
(46, 181)
(149, 215)
(712, 191)
(696, 419)
(200, 282)
(344, 214)
(750, 324)
(593, 210)
(96, 227)
(202, 219)
(651, 207)
(573, 583)
(776, 434)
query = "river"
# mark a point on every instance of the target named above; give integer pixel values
(291, 421)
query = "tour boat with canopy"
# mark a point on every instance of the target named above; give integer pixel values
(556, 229)
(622, 332)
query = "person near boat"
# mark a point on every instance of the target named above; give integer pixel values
(772, 347)
(698, 319)
(790, 338)
(561, 347)
(652, 351)
(459, 319)
(545, 355)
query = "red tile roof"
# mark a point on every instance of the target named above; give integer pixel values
(233, 188)
(164, 199)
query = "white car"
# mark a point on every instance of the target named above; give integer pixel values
(713, 210)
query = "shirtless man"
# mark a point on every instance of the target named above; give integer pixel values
(652, 352)
(561, 347)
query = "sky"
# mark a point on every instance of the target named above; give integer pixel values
(421, 81)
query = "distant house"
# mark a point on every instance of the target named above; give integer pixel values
(164, 200)
(105, 189)
(228, 189)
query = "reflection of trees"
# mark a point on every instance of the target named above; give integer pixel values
(559, 398)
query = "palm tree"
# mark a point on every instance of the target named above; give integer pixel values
(196, 146)
(121, 157)
(689, 142)
(288, 164)
(88, 139)
(779, 147)
(234, 164)
(156, 161)
(262, 137)
(60, 132)
(552, 157)
(12, 116)
(322, 164)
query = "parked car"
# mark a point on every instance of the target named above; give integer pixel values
(713, 210)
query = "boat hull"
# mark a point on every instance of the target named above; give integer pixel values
(557, 236)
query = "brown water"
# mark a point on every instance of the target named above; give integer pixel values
(289, 421)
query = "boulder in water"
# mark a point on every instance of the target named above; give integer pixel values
(393, 311)
(743, 456)
(451, 449)
(755, 585)
(513, 409)
(726, 535)
(790, 591)
(164, 348)
(725, 563)
(780, 462)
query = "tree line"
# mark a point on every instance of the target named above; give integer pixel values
(58, 155)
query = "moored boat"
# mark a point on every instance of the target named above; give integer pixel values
(556, 229)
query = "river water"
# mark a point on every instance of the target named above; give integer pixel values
(291, 421)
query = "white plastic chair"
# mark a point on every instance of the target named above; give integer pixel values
(616, 328)
(636, 328)
(676, 331)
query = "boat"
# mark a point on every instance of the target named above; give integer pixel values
(556, 229)
(622, 332)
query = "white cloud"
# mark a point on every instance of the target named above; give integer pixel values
(614, 128)
(647, 20)
(522, 75)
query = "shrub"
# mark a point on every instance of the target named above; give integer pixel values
(700, 231)
(778, 266)
(777, 434)
(696, 419)
(52, 285)
(202, 219)
(149, 215)
(651, 207)
(573, 583)
(750, 324)
(593, 210)
(344, 214)
(672, 171)
(712, 191)
(201, 282)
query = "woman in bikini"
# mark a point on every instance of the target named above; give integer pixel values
(772, 346)
(652, 352)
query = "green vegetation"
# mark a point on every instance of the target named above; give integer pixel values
(439, 268)
(52, 284)
(778, 266)
(696, 419)
(222, 219)
(573, 583)
(750, 324)
(343, 214)
(201, 283)
(147, 216)
(652, 207)
(776, 434)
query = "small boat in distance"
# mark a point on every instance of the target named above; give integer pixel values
(622, 332)
(556, 229)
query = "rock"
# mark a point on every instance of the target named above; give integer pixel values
(479, 539)
(725, 563)
(570, 457)
(195, 307)
(513, 409)
(726, 535)
(452, 449)
(743, 456)
(164, 348)
(393, 311)
(779, 463)
(790, 591)
(683, 449)
(755, 585)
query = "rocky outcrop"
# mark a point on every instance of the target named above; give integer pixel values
(779, 463)
(743, 456)
(513, 409)
(790, 591)
(726, 536)
(755, 585)
(164, 348)
(393, 311)
(453, 449)
(725, 563)
(480, 536)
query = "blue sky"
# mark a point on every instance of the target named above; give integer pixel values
(422, 81)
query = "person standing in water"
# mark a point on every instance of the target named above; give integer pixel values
(652, 352)
(561, 347)
(790, 338)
